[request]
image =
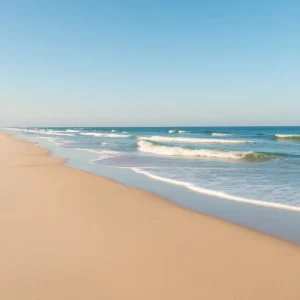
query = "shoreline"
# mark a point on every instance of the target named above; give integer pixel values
(113, 241)
(65, 160)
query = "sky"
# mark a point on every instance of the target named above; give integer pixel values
(149, 63)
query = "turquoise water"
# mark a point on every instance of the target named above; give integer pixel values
(256, 165)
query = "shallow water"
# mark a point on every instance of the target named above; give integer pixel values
(258, 164)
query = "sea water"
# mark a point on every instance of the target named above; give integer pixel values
(259, 166)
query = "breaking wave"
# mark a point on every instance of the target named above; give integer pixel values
(51, 132)
(192, 140)
(249, 156)
(42, 131)
(288, 136)
(176, 131)
(221, 134)
(108, 135)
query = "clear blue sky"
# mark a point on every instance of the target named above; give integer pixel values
(156, 62)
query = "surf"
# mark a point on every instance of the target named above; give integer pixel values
(221, 134)
(108, 135)
(217, 194)
(288, 136)
(192, 140)
(176, 131)
(158, 149)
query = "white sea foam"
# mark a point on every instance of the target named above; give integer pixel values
(221, 134)
(72, 130)
(175, 131)
(104, 154)
(288, 136)
(27, 130)
(149, 147)
(108, 135)
(51, 132)
(218, 194)
(191, 140)
(42, 131)
(51, 139)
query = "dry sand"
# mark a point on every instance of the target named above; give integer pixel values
(69, 235)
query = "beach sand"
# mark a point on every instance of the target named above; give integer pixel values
(69, 235)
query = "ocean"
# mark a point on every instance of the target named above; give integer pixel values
(259, 166)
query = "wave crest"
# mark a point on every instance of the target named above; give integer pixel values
(42, 131)
(150, 147)
(108, 135)
(221, 134)
(288, 136)
(176, 131)
(192, 140)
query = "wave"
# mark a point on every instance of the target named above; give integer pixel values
(218, 194)
(250, 156)
(108, 135)
(72, 130)
(288, 136)
(51, 132)
(118, 130)
(104, 154)
(208, 131)
(35, 130)
(221, 134)
(42, 131)
(192, 140)
(52, 140)
(176, 131)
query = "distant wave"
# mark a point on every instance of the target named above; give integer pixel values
(118, 130)
(192, 140)
(42, 131)
(288, 136)
(150, 147)
(72, 130)
(51, 132)
(221, 134)
(176, 131)
(217, 194)
(108, 135)
(208, 131)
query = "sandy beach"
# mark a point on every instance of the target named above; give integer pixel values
(70, 235)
